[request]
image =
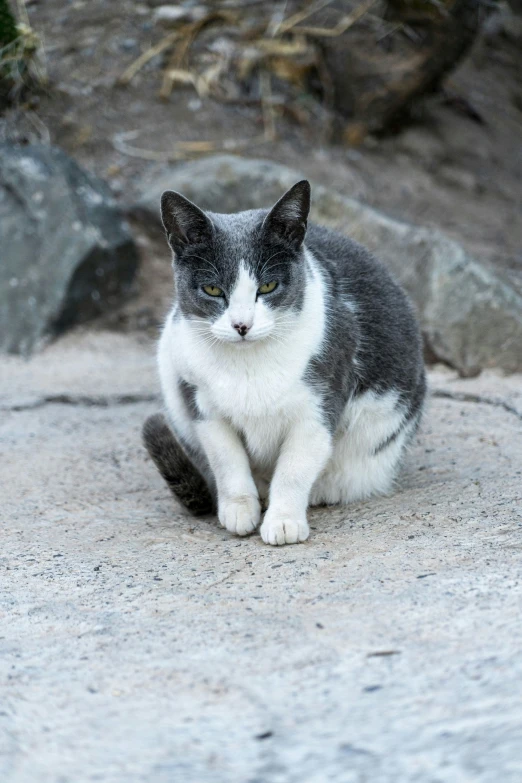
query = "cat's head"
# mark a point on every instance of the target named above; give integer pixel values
(240, 278)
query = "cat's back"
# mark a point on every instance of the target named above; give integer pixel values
(389, 339)
(351, 269)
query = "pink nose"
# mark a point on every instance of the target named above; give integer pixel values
(241, 329)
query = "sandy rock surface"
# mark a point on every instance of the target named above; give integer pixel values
(142, 645)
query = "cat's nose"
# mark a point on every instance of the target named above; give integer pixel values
(241, 328)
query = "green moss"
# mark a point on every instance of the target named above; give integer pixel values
(8, 31)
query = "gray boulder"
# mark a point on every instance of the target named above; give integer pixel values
(471, 318)
(65, 250)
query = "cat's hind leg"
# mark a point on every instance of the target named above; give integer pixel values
(368, 450)
(352, 476)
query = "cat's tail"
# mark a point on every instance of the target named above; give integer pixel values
(176, 467)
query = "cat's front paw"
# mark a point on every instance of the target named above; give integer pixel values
(280, 529)
(240, 515)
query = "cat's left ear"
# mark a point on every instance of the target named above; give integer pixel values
(287, 219)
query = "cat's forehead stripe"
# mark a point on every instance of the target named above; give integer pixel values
(245, 287)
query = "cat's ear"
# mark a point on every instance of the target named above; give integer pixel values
(184, 222)
(287, 220)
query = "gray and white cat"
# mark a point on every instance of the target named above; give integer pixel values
(290, 364)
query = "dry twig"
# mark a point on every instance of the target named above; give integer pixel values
(342, 25)
(300, 16)
(129, 73)
(180, 56)
(182, 150)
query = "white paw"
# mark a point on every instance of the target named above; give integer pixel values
(240, 515)
(277, 530)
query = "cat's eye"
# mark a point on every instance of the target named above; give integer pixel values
(212, 290)
(267, 288)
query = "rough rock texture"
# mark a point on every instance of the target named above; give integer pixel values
(375, 92)
(66, 252)
(140, 645)
(471, 317)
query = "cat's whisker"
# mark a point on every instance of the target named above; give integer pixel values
(266, 270)
(203, 335)
(277, 253)
(263, 268)
(206, 261)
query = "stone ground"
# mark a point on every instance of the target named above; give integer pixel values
(142, 645)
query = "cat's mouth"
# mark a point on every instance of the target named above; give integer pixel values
(247, 340)
(251, 338)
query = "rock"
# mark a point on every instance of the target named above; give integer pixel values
(128, 44)
(458, 178)
(66, 251)
(169, 14)
(372, 93)
(471, 317)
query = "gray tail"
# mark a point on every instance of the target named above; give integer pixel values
(176, 467)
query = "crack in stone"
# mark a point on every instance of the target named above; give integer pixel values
(114, 400)
(476, 398)
(82, 400)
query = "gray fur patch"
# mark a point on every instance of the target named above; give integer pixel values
(372, 336)
(188, 392)
(412, 414)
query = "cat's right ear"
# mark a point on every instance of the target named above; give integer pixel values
(184, 222)
(288, 219)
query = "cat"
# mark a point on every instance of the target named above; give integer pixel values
(290, 365)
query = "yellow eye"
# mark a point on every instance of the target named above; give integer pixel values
(267, 288)
(212, 290)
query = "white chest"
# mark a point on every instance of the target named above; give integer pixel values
(257, 386)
